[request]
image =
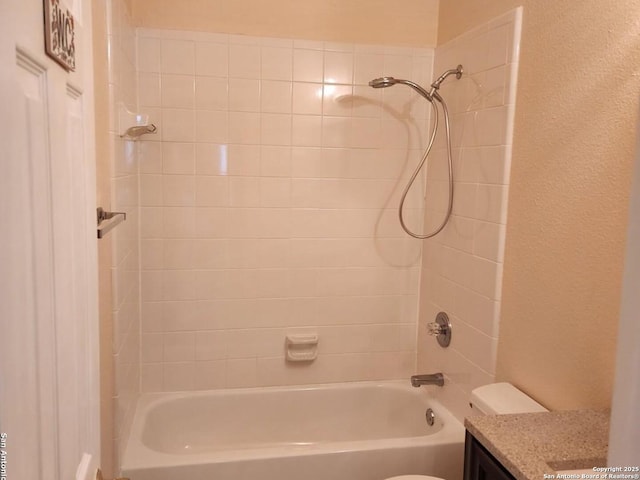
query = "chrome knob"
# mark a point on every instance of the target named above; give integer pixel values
(434, 329)
(441, 329)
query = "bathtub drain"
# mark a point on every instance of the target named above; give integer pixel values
(431, 417)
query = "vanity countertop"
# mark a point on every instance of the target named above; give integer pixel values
(530, 445)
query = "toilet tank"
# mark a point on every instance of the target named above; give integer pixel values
(501, 398)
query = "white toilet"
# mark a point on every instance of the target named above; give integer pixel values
(493, 399)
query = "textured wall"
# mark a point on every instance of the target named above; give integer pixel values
(573, 150)
(402, 22)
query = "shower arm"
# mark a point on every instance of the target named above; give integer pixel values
(435, 86)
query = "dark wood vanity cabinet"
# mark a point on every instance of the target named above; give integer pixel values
(479, 464)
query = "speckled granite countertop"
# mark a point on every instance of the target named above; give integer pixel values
(532, 444)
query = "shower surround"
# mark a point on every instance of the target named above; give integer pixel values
(462, 267)
(268, 207)
(125, 260)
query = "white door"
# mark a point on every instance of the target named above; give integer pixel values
(49, 378)
(624, 436)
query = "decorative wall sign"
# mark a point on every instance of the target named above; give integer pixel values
(59, 34)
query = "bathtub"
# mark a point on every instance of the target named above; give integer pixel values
(347, 431)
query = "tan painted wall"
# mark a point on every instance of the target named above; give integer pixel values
(401, 22)
(574, 140)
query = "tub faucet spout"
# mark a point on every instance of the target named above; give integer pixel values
(428, 379)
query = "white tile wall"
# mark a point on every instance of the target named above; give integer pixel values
(125, 193)
(462, 267)
(268, 207)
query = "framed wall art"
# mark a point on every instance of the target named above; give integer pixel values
(59, 34)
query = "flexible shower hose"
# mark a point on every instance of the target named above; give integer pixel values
(425, 156)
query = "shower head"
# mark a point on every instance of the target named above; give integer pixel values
(384, 82)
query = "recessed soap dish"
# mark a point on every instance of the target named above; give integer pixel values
(302, 347)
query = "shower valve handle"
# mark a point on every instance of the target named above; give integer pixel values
(441, 329)
(434, 329)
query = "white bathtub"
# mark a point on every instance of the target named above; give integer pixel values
(347, 431)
